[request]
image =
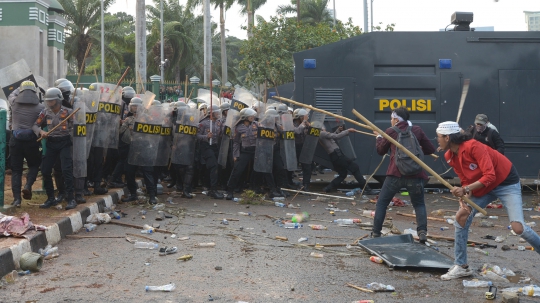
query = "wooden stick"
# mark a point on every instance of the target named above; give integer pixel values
(328, 245)
(452, 239)
(464, 92)
(185, 91)
(95, 74)
(139, 227)
(360, 288)
(186, 100)
(427, 168)
(316, 194)
(93, 237)
(70, 115)
(143, 237)
(361, 132)
(119, 82)
(80, 70)
(414, 216)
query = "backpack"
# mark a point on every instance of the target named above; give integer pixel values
(404, 163)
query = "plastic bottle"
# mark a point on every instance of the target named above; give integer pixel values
(369, 213)
(90, 227)
(147, 227)
(363, 301)
(444, 228)
(316, 255)
(278, 199)
(146, 231)
(481, 251)
(237, 199)
(375, 286)
(142, 212)
(375, 259)
(24, 272)
(115, 215)
(225, 222)
(531, 291)
(168, 287)
(317, 227)
(293, 225)
(279, 204)
(159, 206)
(209, 244)
(467, 283)
(347, 221)
(146, 245)
(303, 239)
(449, 221)
(244, 214)
(493, 217)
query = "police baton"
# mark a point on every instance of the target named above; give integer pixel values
(424, 166)
(70, 115)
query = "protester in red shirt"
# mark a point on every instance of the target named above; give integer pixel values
(485, 176)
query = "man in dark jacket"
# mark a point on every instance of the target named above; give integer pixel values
(485, 134)
(395, 180)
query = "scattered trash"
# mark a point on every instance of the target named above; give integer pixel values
(183, 238)
(375, 286)
(303, 239)
(485, 223)
(24, 272)
(218, 268)
(168, 287)
(494, 205)
(369, 213)
(282, 238)
(318, 227)
(241, 213)
(147, 231)
(530, 290)
(481, 251)
(279, 204)
(531, 224)
(142, 212)
(292, 225)
(337, 209)
(160, 215)
(167, 250)
(278, 199)
(185, 258)
(525, 248)
(316, 255)
(450, 221)
(500, 239)
(224, 222)
(444, 228)
(159, 206)
(90, 227)
(49, 252)
(17, 226)
(363, 301)
(347, 221)
(494, 217)
(209, 244)
(215, 204)
(173, 236)
(376, 259)
(31, 261)
(98, 218)
(414, 233)
(59, 207)
(476, 283)
(298, 218)
(146, 245)
(237, 199)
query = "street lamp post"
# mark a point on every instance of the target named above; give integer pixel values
(102, 45)
(162, 67)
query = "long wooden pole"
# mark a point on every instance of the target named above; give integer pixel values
(81, 68)
(118, 84)
(70, 115)
(424, 166)
(464, 92)
(185, 90)
(333, 115)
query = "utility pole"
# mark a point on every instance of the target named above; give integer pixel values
(224, 69)
(162, 62)
(334, 14)
(365, 16)
(298, 11)
(207, 42)
(102, 45)
(371, 7)
(140, 42)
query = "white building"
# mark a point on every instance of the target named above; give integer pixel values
(533, 20)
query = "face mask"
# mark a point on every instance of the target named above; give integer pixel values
(480, 128)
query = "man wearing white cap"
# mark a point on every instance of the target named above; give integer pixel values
(485, 176)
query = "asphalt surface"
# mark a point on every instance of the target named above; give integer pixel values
(248, 264)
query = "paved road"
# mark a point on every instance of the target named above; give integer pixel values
(255, 267)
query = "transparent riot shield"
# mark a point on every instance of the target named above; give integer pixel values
(312, 138)
(288, 149)
(264, 149)
(165, 140)
(91, 98)
(108, 116)
(228, 131)
(12, 76)
(79, 139)
(185, 136)
(344, 143)
(145, 136)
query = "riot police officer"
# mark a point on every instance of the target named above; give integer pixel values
(300, 132)
(25, 109)
(210, 130)
(95, 163)
(58, 146)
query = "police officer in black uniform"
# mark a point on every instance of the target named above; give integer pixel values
(300, 132)
(58, 146)
(25, 109)
(210, 130)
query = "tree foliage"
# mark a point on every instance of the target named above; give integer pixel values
(311, 11)
(268, 55)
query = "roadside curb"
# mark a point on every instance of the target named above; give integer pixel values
(9, 257)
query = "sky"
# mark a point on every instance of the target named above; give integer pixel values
(407, 15)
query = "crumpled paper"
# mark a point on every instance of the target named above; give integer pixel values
(17, 226)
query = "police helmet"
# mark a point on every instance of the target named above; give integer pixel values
(271, 112)
(156, 102)
(282, 109)
(215, 110)
(93, 87)
(181, 104)
(53, 93)
(290, 110)
(256, 105)
(246, 113)
(64, 85)
(224, 106)
(128, 92)
(134, 104)
(27, 85)
(202, 106)
(299, 112)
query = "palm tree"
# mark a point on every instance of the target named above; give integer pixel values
(223, 5)
(311, 11)
(249, 7)
(84, 27)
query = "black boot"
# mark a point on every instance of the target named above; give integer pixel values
(275, 194)
(129, 198)
(16, 202)
(171, 185)
(71, 204)
(186, 193)
(60, 198)
(153, 199)
(27, 192)
(113, 184)
(79, 199)
(230, 195)
(369, 191)
(100, 190)
(215, 194)
(51, 201)
(329, 188)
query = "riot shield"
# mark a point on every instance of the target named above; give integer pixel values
(228, 131)
(79, 139)
(185, 136)
(264, 149)
(12, 76)
(288, 149)
(164, 147)
(344, 143)
(312, 138)
(243, 96)
(91, 98)
(145, 136)
(108, 116)
(203, 95)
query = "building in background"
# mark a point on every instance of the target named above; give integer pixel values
(533, 20)
(33, 30)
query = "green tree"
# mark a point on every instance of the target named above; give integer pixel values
(84, 27)
(248, 8)
(268, 55)
(311, 11)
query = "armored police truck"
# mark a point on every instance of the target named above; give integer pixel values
(425, 71)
